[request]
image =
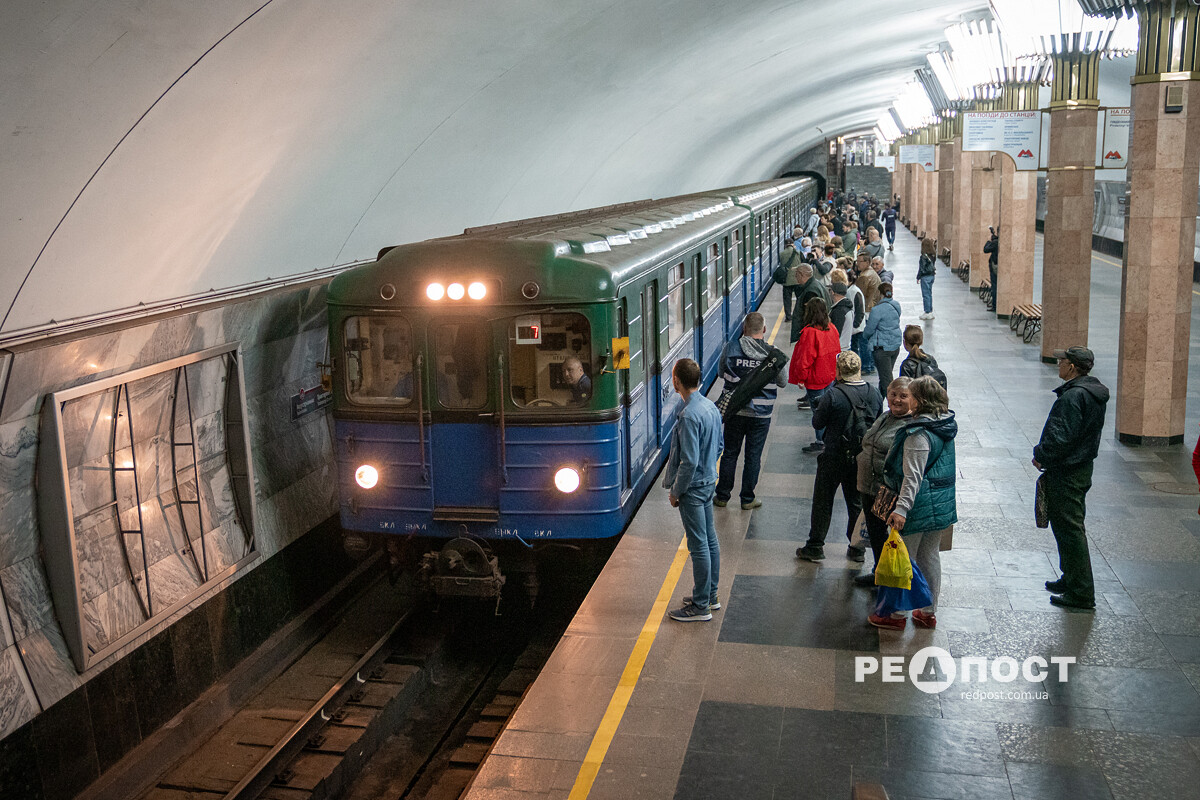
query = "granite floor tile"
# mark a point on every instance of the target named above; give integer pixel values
(771, 675)
(903, 781)
(1051, 782)
(1123, 689)
(794, 613)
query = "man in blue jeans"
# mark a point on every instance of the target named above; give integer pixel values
(751, 423)
(689, 478)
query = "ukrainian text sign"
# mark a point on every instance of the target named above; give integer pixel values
(922, 154)
(1017, 134)
(1114, 153)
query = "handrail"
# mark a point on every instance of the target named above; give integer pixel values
(419, 385)
(500, 416)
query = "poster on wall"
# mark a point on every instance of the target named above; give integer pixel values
(1114, 151)
(1018, 134)
(887, 162)
(922, 154)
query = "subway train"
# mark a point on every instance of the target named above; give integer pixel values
(1108, 218)
(508, 388)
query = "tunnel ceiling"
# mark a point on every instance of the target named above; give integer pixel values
(154, 149)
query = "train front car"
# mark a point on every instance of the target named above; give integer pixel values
(474, 403)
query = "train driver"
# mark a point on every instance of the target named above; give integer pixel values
(579, 384)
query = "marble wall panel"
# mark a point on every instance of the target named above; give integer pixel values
(281, 461)
(101, 565)
(16, 705)
(206, 384)
(289, 513)
(172, 579)
(18, 525)
(284, 361)
(18, 453)
(111, 615)
(49, 666)
(224, 546)
(27, 596)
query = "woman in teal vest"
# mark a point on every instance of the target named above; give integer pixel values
(920, 469)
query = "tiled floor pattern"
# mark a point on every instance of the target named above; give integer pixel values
(762, 703)
(1125, 725)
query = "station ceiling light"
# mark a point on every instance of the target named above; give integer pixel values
(1059, 27)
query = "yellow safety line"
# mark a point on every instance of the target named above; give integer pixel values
(775, 330)
(1119, 265)
(629, 678)
(633, 667)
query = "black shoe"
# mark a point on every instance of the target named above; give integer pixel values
(866, 579)
(815, 447)
(1056, 586)
(802, 404)
(811, 552)
(1066, 601)
(856, 554)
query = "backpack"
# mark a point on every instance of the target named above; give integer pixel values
(925, 368)
(860, 419)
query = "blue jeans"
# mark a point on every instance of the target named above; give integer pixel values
(859, 345)
(813, 396)
(927, 292)
(754, 431)
(696, 511)
(890, 232)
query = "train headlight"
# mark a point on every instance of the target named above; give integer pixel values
(435, 291)
(366, 476)
(566, 480)
(476, 291)
(455, 291)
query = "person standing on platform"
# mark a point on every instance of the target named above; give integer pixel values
(810, 286)
(789, 259)
(846, 412)
(992, 248)
(926, 272)
(873, 222)
(842, 313)
(876, 444)
(752, 423)
(814, 360)
(920, 468)
(814, 219)
(690, 479)
(873, 247)
(1065, 454)
(882, 334)
(919, 363)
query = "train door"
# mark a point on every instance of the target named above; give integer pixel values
(652, 368)
(639, 394)
(464, 437)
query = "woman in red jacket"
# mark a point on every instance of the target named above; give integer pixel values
(814, 359)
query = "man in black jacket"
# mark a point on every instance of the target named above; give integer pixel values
(848, 398)
(992, 248)
(1069, 444)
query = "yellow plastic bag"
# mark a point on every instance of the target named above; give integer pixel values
(894, 568)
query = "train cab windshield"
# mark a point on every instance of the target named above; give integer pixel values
(379, 361)
(551, 358)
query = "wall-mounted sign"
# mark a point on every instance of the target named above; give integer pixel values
(887, 162)
(1114, 152)
(923, 154)
(309, 400)
(1017, 134)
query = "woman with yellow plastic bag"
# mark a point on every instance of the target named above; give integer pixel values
(919, 479)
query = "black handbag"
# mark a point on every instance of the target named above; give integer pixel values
(1041, 515)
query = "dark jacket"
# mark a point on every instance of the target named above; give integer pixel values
(832, 411)
(925, 266)
(1071, 435)
(992, 247)
(934, 507)
(814, 287)
(837, 316)
(914, 367)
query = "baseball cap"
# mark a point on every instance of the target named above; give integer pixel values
(1079, 356)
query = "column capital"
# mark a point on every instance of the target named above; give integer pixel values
(1021, 96)
(1167, 41)
(1076, 81)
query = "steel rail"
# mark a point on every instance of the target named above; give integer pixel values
(263, 773)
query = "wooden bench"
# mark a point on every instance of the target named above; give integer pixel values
(985, 291)
(963, 270)
(1026, 320)
(946, 256)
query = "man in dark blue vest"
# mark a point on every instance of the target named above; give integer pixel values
(751, 423)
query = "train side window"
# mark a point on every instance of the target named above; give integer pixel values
(676, 321)
(461, 362)
(713, 269)
(739, 262)
(551, 360)
(379, 360)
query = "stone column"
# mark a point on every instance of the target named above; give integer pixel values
(1070, 203)
(960, 234)
(929, 179)
(985, 210)
(947, 161)
(1018, 215)
(1156, 283)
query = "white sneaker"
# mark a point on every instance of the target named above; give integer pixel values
(923, 316)
(929, 315)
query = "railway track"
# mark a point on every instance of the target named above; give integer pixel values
(396, 701)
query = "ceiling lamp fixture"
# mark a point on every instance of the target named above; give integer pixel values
(1058, 27)
(913, 107)
(987, 61)
(887, 128)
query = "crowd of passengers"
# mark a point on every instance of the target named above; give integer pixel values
(888, 444)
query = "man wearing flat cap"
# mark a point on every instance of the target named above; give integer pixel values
(1069, 444)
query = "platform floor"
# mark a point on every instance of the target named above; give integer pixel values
(762, 702)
